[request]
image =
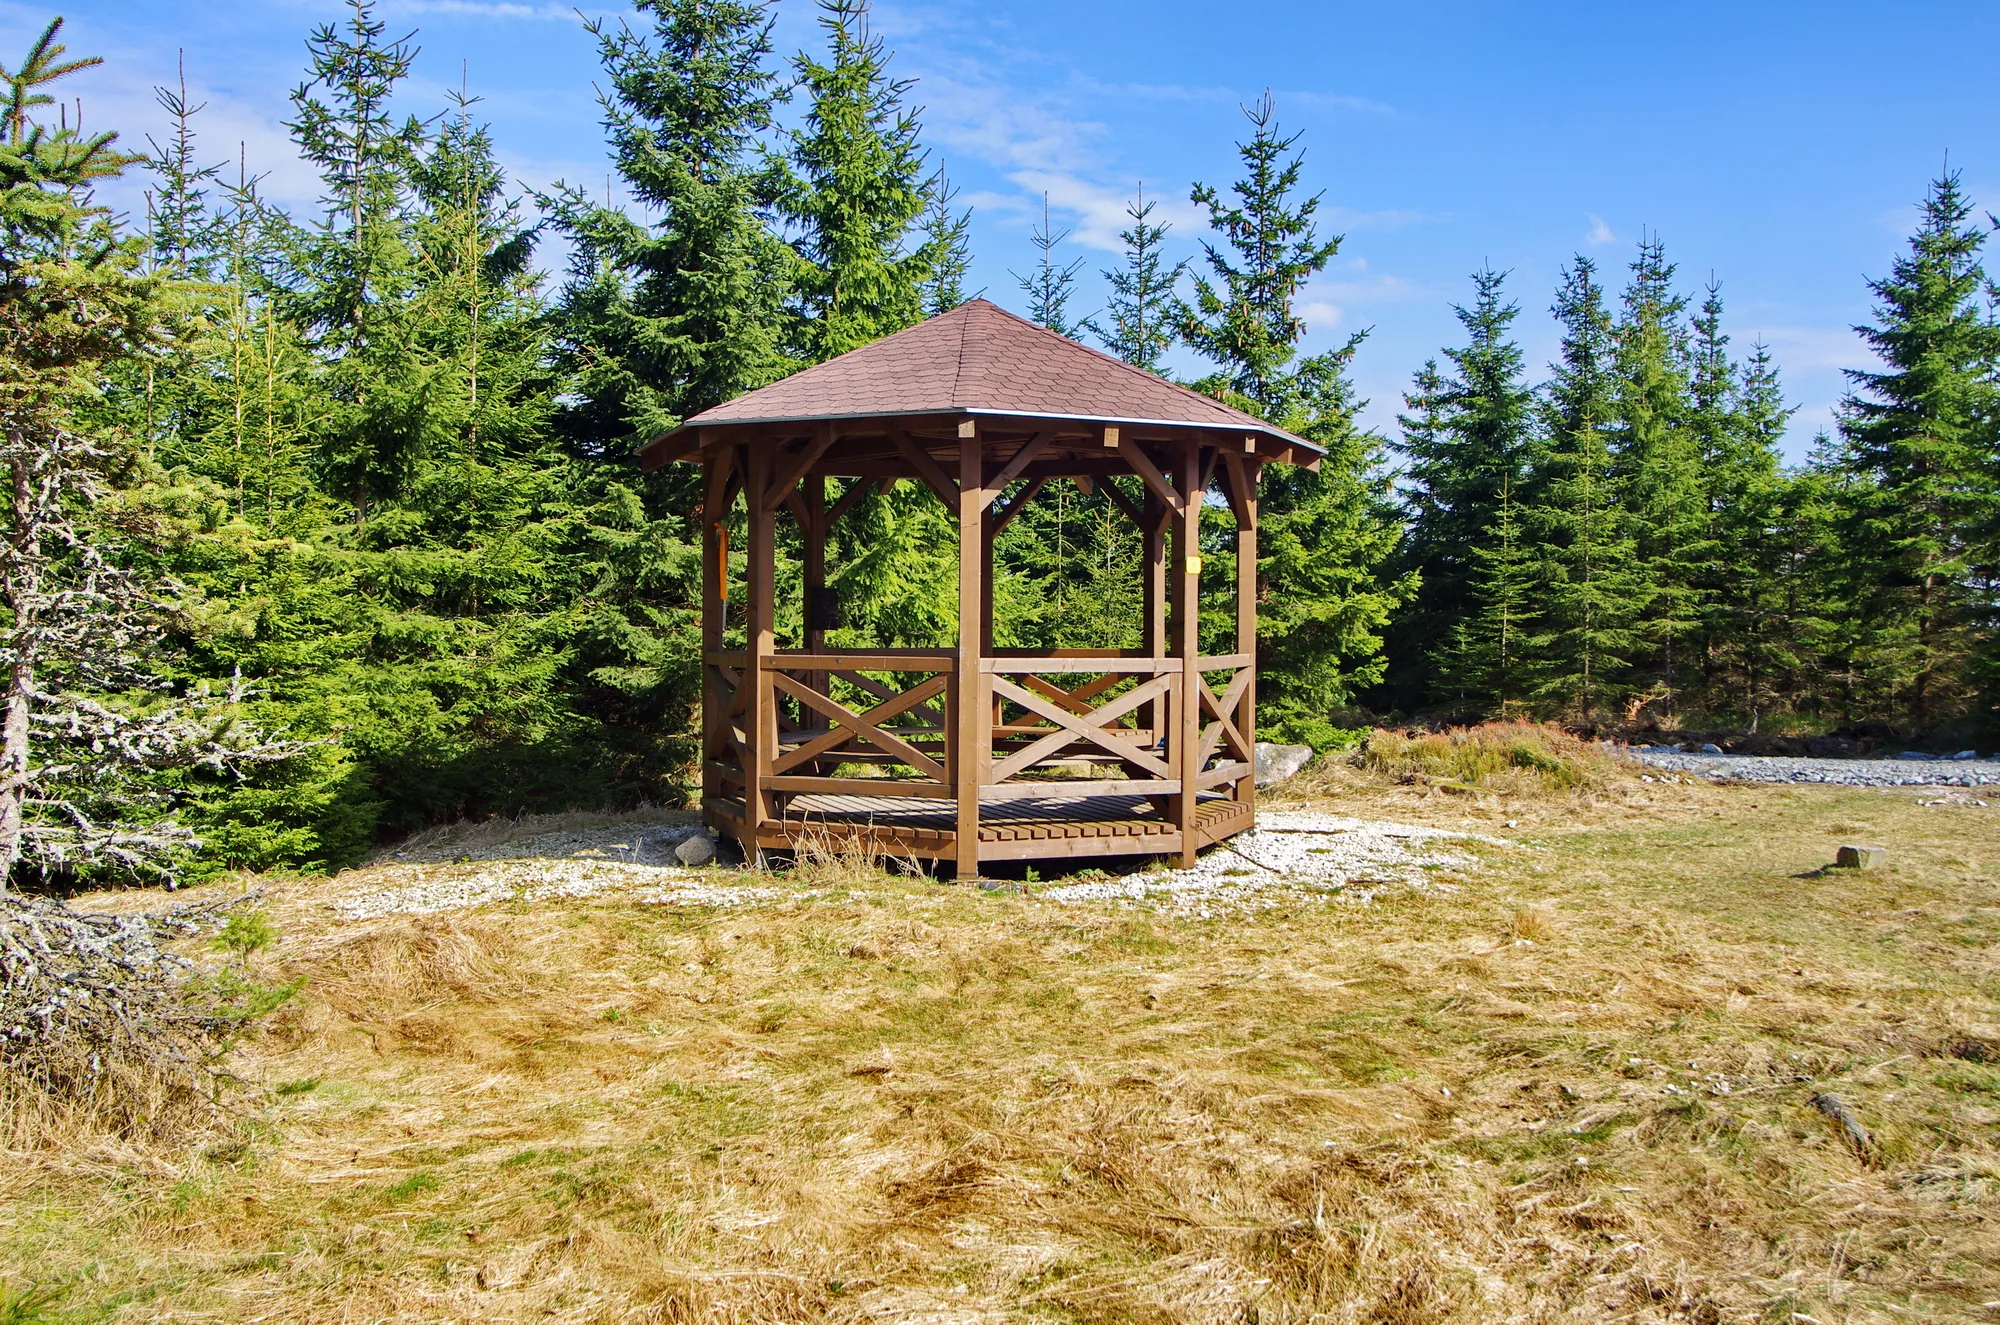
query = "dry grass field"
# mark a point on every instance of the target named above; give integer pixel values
(1574, 1083)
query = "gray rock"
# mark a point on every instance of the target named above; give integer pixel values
(1275, 763)
(1711, 749)
(1917, 755)
(1842, 772)
(698, 848)
(1966, 754)
(1856, 857)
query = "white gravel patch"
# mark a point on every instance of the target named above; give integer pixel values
(1836, 772)
(629, 843)
(458, 888)
(1289, 857)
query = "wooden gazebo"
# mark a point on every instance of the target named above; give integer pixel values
(976, 753)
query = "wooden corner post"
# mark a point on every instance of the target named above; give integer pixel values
(1185, 576)
(1243, 475)
(972, 746)
(760, 718)
(714, 603)
(812, 530)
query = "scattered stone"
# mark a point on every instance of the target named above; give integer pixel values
(1851, 1129)
(698, 848)
(1276, 763)
(1289, 858)
(1711, 749)
(1856, 857)
(1831, 771)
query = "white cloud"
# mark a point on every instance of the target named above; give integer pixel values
(1093, 213)
(235, 124)
(1042, 144)
(1333, 101)
(1600, 233)
(1802, 349)
(1384, 218)
(1322, 315)
(1371, 291)
(486, 9)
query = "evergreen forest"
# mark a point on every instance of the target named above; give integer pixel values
(327, 525)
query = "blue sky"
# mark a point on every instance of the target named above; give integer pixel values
(1781, 147)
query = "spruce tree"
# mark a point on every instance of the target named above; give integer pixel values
(1049, 285)
(359, 256)
(178, 210)
(660, 322)
(352, 274)
(851, 190)
(1495, 655)
(1324, 536)
(1657, 461)
(1919, 442)
(1142, 292)
(947, 248)
(1468, 439)
(1267, 245)
(1588, 585)
(99, 751)
(1736, 417)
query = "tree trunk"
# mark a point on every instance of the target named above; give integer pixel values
(14, 768)
(21, 582)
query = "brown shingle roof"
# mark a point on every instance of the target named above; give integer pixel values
(980, 359)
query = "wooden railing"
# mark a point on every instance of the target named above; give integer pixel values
(1052, 714)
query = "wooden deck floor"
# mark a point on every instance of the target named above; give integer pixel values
(1008, 830)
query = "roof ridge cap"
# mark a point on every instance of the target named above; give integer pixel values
(958, 367)
(1131, 369)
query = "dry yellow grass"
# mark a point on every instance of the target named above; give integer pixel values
(1518, 756)
(1578, 1088)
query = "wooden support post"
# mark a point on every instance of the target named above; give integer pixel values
(987, 535)
(1243, 486)
(972, 751)
(814, 566)
(1154, 568)
(760, 718)
(1155, 714)
(1185, 575)
(812, 531)
(714, 603)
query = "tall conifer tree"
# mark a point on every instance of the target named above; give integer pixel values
(1589, 587)
(1736, 416)
(851, 191)
(1050, 284)
(1468, 440)
(1919, 439)
(1267, 245)
(947, 248)
(662, 321)
(1657, 460)
(1142, 292)
(351, 275)
(1324, 536)
(179, 215)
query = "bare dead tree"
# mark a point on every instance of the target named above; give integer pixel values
(81, 716)
(102, 1022)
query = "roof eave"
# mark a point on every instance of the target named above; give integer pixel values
(659, 452)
